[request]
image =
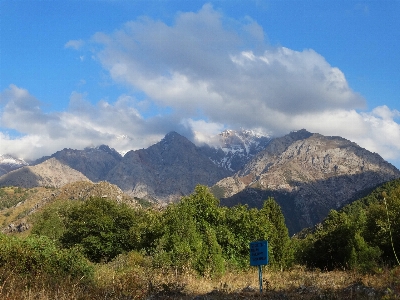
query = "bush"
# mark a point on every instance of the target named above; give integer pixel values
(101, 228)
(39, 255)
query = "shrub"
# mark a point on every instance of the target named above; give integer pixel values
(39, 255)
(100, 227)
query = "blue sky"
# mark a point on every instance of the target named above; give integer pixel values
(124, 73)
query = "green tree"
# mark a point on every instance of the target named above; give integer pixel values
(383, 226)
(35, 255)
(281, 251)
(338, 243)
(101, 227)
(240, 226)
(188, 236)
(50, 221)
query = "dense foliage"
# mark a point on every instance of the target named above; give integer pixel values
(196, 233)
(10, 196)
(200, 234)
(38, 254)
(100, 227)
(363, 235)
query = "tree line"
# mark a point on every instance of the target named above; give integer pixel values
(195, 233)
(198, 234)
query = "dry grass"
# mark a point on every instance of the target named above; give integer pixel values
(132, 279)
(11, 215)
(296, 283)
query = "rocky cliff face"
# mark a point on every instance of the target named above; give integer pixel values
(50, 173)
(308, 174)
(165, 171)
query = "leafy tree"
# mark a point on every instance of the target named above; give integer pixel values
(239, 227)
(339, 243)
(147, 229)
(50, 221)
(383, 225)
(188, 239)
(101, 227)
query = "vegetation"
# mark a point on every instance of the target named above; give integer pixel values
(360, 236)
(108, 250)
(10, 196)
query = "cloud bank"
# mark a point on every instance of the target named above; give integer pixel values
(209, 72)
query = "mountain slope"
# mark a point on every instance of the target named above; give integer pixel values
(308, 174)
(50, 173)
(165, 171)
(94, 163)
(26, 202)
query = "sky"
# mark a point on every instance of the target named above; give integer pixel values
(76, 74)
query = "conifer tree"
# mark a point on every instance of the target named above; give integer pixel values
(281, 253)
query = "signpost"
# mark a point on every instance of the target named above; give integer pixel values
(259, 257)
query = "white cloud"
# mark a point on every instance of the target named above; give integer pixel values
(118, 125)
(204, 62)
(212, 73)
(206, 65)
(75, 44)
(203, 131)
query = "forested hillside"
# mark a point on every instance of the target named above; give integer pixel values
(363, 235)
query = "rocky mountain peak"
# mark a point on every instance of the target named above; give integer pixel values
(299, 134)
(105, 149)
(174, 139)
(94, 162)
(308, 174)
(232, 149)
(166, 170)
(9, 163)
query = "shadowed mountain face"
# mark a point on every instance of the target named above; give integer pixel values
(308, 174)
(165, 171)
(308, 204)
(94, 163)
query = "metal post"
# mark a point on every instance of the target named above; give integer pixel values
(260, 277)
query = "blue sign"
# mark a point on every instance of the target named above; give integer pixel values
(259, 253)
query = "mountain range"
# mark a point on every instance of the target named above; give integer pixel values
(307, 173)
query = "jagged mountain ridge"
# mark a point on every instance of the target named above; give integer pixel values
(50, 173)
(233, 149)
(165, 171)
(9, 163)
(161, 175)
(308, 174)
(94, 162)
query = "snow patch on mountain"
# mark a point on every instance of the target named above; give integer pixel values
(9, 163)
(232, 149)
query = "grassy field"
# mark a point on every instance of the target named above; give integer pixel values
(126, 278)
